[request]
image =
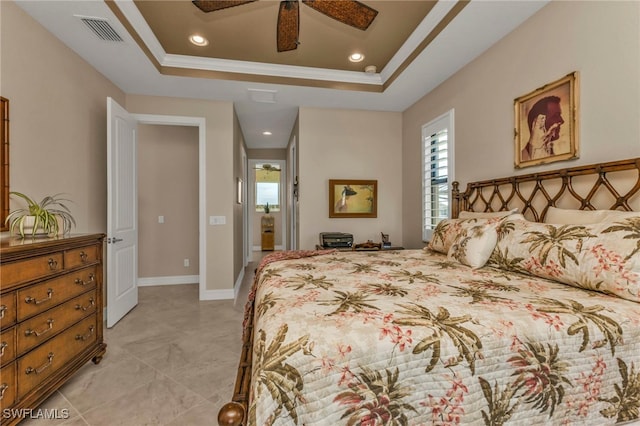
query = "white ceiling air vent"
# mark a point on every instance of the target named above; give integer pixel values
(101, 28)
(262, 96)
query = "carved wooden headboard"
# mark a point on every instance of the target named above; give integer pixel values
(613, 186)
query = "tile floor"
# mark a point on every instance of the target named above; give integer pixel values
(172, 360)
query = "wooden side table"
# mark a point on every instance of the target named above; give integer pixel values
(267, 232)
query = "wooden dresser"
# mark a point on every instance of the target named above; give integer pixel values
(51, 324)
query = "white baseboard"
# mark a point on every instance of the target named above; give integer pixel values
(217, 294)
(172, 280)
(228, 294)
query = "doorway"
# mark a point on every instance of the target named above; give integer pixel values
(170, 120)
(274, 193)
(122, 274)
(167, 205)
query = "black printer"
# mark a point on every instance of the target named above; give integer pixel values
(336, 240)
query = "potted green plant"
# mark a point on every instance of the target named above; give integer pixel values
(51, 216)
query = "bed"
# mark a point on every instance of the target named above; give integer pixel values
(504, 318)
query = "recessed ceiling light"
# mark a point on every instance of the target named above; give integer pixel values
(266, 133)
(356, 57)
(198, 40)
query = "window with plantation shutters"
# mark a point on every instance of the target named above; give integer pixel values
(437, 172)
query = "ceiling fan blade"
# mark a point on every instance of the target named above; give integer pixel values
(288, 25)
(211, 5)
(349, 12)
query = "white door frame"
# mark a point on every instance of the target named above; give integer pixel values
(293, 207)
(246, 248)
(251, 205)
(199, 122)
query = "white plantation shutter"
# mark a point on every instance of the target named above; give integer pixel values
(437, 172)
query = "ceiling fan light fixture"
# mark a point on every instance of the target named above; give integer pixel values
(198, 40)
(370, 69)
(356, 57)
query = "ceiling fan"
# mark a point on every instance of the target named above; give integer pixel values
(350, 12)
(267, 167)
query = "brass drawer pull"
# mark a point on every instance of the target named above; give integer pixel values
(53, 264)
(3, 389)
(33, 300)
(29, 332)
(83, 256)
(92, 303)
(82, 282)
(3, 346)
(43, 367)
(3, 309)
(86, 336)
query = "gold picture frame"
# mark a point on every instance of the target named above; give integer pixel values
(546, 123)
(353, 198)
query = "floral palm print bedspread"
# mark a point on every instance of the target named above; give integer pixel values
(411, 338)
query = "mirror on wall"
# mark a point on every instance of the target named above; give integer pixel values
(4, 162)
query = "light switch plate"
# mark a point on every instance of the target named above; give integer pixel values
(217, 220)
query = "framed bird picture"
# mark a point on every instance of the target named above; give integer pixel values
(353, 198)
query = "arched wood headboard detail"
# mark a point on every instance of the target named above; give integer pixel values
(582, 187)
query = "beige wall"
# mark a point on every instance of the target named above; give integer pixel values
(219, 180)
(600, 40)
(168, 187)
(58, 113)
(348, 144)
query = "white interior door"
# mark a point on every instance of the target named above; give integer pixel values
(122, 213)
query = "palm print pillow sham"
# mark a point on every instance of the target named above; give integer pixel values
(603, 257)
(448, 230)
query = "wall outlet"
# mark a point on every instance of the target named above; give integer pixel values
(186, 263)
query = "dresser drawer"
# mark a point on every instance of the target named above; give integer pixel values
(32, 332)
(81, 256)
(30, 269)
(7, 345)
(46, 359)
(45, 295)
(8, 309)
(8, 385)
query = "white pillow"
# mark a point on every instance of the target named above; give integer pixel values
(485, 215)
(615, 215)
(573, 216)
(584, 217)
